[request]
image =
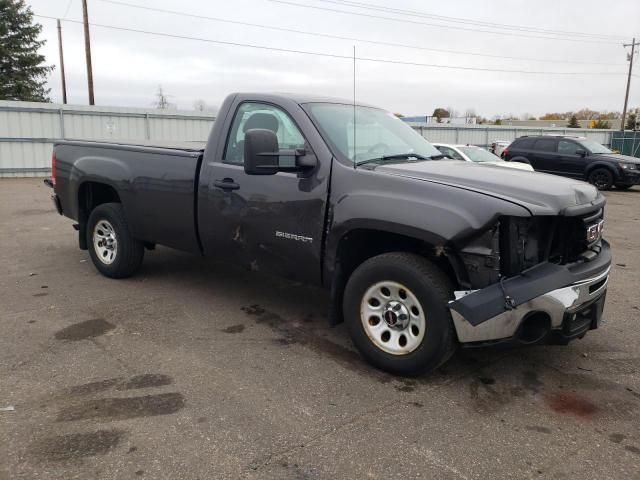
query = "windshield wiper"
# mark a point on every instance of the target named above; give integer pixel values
(397, 156)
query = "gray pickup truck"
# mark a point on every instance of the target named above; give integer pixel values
(420, 253)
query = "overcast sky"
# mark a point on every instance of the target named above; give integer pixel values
(128, 67)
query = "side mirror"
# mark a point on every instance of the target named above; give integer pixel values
(260, 152)
(581, 152)
(262, 155)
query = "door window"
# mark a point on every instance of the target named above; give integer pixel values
(450, 152)
(523, 144)
(546, 145)
(567, 147)
(260, 115)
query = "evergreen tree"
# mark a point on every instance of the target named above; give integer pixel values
(23, 75)
(573, 122)
(632, 122)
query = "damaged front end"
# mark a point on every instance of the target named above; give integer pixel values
(529, 276)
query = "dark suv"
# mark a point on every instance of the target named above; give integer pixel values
(576, 157)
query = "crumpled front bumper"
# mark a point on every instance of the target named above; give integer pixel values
(575, 296)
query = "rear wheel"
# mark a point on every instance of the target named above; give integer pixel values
(601, 178)
(114, 252)
(623, 186)
(395, 306)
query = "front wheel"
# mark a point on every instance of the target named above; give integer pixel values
(395, 306)
(601, 178)
(114, 252)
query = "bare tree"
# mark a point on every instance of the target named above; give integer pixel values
(470, 113)
(200, 105)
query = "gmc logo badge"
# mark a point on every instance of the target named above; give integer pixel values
(594, 232)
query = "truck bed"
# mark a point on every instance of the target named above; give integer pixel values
(157, 183)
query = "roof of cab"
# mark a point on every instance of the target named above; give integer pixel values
(301, 98)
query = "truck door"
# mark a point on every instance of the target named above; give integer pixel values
(270, 223)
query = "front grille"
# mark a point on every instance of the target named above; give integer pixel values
(569, 241)
(526, 242)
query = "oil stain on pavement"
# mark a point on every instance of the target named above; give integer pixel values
(84, 330)
(77, 445)
(234, 328)
(65, 447)
(117, 408)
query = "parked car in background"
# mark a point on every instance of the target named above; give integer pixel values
(498, 146)
(471, 153)
(576, 157)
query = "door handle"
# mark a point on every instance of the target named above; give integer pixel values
(226, 184)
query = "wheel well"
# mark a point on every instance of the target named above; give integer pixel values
(600, 166)
(92, 194)
(359, 245)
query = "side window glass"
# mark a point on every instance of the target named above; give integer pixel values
(450, 152)
(566, 147)
(545, 145)
(444, 151)
(524, 144)
(455, 155)
(259, 115)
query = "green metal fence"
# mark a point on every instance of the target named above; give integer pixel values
(627, 143)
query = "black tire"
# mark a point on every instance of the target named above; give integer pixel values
(433, 290)
(601, 178)
(623, 186)
(128, 253)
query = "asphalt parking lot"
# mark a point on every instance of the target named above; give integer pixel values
(195, 370)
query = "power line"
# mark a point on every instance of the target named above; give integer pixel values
(331, 55)
(351, 39)
(467, 21)
(448, 27)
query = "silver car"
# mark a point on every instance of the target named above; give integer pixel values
(471, 153)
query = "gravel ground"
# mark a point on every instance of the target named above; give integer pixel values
(195, 370)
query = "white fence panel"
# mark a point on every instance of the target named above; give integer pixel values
(483, 136)
(28, 130)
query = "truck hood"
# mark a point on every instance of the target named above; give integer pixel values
(540, 193)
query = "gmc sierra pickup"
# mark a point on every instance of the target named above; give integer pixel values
(420, 254)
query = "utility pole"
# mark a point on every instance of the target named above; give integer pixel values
(87, 51)
(64, 80)
(633, 46)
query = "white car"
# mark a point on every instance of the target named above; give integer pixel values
(471, 153)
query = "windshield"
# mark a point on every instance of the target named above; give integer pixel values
(378, 134)
(479, 155)
(594, 147)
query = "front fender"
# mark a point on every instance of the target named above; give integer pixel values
(600, 164)
(437, 214)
